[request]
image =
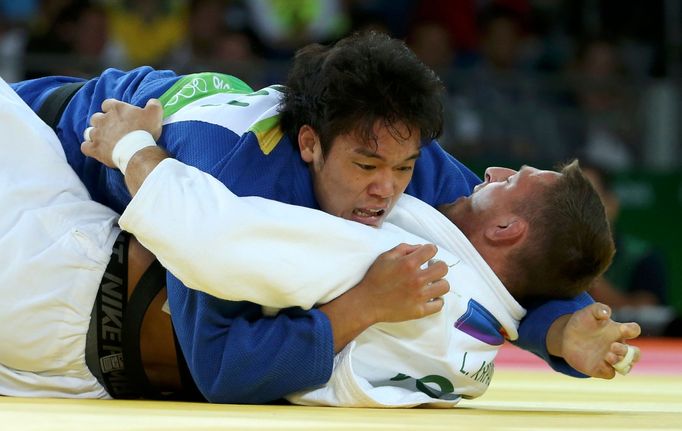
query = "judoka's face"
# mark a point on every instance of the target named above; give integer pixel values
(495, 201)
(360, 181)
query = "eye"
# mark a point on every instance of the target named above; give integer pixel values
(364, 166)
(405, 168)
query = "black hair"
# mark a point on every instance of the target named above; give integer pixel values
(349, 86)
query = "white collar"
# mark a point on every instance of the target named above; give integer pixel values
(423, 220)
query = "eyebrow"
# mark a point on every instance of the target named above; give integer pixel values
(364, 151)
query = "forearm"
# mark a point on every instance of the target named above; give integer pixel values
(345, 320)
(141, 164)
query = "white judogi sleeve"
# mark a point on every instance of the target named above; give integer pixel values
(272, 253)
(435, 360)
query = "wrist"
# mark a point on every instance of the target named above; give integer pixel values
(555, 336)
(348, 317)
(365, 312)
(141, 165)
(128, 146)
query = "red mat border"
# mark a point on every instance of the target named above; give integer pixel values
(658, 355)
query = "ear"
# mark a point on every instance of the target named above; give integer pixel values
(308, 143)
(509, 231)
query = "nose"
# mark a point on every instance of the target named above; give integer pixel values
(495, 174)
(383, 185)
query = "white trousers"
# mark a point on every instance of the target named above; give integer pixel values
(55, 243)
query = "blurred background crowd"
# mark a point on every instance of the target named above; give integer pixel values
(528, 82)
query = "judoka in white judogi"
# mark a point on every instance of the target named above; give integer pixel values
(56, 243)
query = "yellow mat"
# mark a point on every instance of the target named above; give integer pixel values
(516, 400)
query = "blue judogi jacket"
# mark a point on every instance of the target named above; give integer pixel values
(234, 352)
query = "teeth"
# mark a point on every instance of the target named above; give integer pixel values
(368, 213)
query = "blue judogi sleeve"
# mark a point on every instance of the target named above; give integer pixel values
(237, 355)
(234, 352)
(439, 178)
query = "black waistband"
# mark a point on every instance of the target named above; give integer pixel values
(113, 342)
(53, 107)
(104, 354)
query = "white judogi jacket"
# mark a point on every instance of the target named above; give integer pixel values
(280, 255)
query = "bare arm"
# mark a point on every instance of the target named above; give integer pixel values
(141, 165)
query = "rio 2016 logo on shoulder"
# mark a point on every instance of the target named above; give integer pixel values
(197, 86)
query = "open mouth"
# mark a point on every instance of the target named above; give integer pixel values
(368, 216)
(362, 212)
